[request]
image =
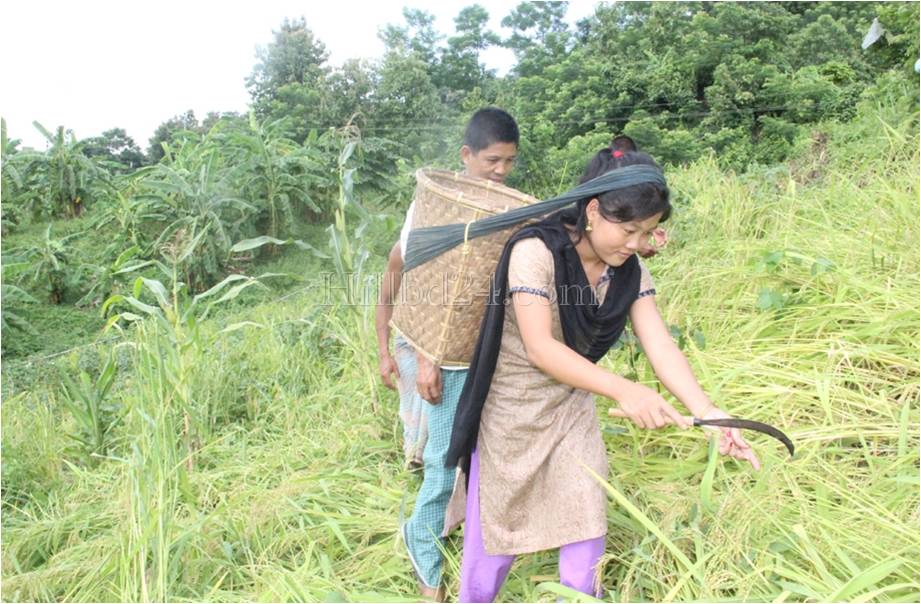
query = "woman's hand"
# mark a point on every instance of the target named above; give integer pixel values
(659, 241)
(428, 379)
(646, 408)
(731, 441)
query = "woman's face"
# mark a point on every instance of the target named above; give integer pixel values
(615, 242)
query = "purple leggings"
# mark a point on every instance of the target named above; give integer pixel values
(482, 574)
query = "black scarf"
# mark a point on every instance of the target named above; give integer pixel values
(588, 328)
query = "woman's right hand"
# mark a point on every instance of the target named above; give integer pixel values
(646, 408)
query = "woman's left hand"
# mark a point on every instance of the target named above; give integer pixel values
(659, 241)
(731, 442)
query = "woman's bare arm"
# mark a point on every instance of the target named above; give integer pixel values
(668, 362)
(641, 404)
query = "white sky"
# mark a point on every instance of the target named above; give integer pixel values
(92, 65)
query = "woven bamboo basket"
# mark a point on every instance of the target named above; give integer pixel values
(441, 303)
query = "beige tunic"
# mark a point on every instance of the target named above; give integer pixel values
(535, 434)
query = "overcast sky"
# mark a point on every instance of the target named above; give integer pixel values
(92, 65)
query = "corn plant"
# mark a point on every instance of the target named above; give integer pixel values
(167, 417)
(348, 259)
(87, 402)
(350, 255)
(175, 316)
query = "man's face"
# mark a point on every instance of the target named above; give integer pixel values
(495, 162)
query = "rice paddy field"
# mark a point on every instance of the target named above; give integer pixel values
(254, 456)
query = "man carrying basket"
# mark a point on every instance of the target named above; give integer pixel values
(429, 394)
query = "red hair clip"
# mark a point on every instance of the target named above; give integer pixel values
(617, 153)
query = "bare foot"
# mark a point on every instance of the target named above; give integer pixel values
(432, 594)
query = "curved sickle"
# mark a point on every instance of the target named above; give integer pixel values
(748, 424)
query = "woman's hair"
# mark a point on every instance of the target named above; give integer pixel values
(636, 202)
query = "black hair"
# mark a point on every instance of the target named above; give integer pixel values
(636, 202)
(622, 142)
(488, 126)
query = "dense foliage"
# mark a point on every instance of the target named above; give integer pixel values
(683, 78)
(743, 81)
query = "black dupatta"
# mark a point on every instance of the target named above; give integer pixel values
(588, 327)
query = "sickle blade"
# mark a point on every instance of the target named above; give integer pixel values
(748, 424)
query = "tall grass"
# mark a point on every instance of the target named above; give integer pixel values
(806, 289)
(257, 459)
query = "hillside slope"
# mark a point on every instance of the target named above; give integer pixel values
(256, 457)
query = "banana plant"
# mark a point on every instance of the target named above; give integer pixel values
(66, 178)
(203, 215)
(13, 192)
(49, 265)
(135, 215)
(105, 279)
(11, 318)
(272, 172)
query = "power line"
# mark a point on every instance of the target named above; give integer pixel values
(433, 126)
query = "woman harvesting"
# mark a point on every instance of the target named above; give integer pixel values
(526, 420)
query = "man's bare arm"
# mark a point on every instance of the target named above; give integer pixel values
(390, 288)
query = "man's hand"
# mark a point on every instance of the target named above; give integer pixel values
(388, 367)
(428, 379)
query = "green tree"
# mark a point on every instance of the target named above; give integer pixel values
(117, 148)
(540, 35)
(824, 40)
(289, 79)
(351, 90)
(417, 36)
(460, 69)
(406, 101)
(899, 46)
(167, 131)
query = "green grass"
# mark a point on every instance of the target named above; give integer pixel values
(258, 458)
